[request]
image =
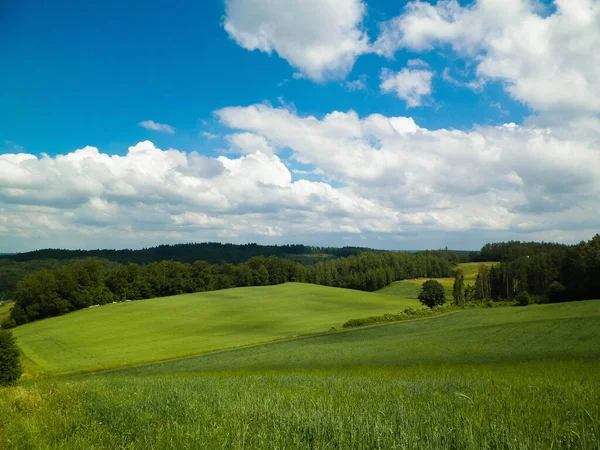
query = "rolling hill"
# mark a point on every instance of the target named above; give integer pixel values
(491, 335)
(149, 330)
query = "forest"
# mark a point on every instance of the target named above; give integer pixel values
(15, 267)
(536, 273)
(53, 292)
(211, 252)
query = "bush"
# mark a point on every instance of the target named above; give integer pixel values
(432, 294)
(10, 364)
(18, 315)
(523, 298)
(7, 323)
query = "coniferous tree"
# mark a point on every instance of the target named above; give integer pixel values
(458, 289)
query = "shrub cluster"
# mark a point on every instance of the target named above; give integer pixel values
(407, 314)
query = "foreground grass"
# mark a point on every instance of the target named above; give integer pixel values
(537, 332)
(150, 330)
(501, 378)
(536, 405)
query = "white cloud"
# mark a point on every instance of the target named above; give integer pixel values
(497, 178)
(86, 196)
(395, 180)
(320, 38)
(249, 143)
(155, 126)
(476, 84)
(360, 84)
(408, 85)
(549, 62)
(209, 135)
(417, 63)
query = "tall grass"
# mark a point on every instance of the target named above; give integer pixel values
(515, 406)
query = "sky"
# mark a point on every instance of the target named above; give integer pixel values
(389, 124)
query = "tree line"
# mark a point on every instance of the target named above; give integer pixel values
(52, 292)
(211, 252)
(13, 268)
(549, 273)
(513, 250)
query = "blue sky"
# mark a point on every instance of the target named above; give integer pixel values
(87, 74)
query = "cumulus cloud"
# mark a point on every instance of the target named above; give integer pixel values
(408, 85)
(547, 61)
(320, 38)
(393, 179)
(155, 126)
(171, 195)
(490, 177)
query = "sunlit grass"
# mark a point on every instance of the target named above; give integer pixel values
(540, 405)
(150, 330)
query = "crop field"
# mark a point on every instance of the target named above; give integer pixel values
(410, 288)
(149, 330)
(510, 378)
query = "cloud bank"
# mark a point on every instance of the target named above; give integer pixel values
(379, 175)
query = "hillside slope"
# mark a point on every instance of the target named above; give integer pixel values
(563, 331)
(149, 330)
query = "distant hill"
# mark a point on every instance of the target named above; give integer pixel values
(212, 252)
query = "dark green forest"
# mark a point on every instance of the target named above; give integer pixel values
(15, 267)
(211, 252)
(538, 273)
(52, 292)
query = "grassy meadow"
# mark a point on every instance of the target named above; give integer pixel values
(504, 378)
(476, 336)
(534, 405)
(148, 330)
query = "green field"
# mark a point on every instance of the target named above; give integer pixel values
(476, 336)
(503, 378)
(502, 406)
(410, 288)
(149, 330)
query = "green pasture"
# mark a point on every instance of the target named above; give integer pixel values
(486, 378)
(149, 330)
(475, 336)
(502, 378)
